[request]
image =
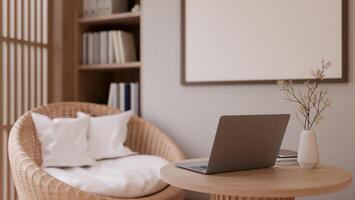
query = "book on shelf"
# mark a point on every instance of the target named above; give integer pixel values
(135, 97)
(113, 101)
(89, 51)
(103, 7)
(85, 48)
(88, 8)
(116, 48)
(124, 96)
(103, 47)
(127, 49)
(108, 47)
(114, 6)
(97, 47)
(127, 96)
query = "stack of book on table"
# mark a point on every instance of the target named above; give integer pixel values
(286, 157)
(108, 47)
(124, 96)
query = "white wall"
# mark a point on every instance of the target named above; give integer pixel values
(189, 114)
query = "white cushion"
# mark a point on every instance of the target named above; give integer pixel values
(63, 141)
(126, 177)
(107, 135)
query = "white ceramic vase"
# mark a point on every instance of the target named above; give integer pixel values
(308, 155)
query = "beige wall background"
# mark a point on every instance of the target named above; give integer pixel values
(189, 114)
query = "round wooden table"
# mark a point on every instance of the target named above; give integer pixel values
(276, 183)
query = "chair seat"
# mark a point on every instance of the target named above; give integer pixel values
(127, 177)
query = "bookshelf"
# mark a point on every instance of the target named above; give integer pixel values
(92, 81)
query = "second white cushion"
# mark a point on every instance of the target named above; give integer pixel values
(107, 135)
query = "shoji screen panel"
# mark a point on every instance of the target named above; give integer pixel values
(24, 47)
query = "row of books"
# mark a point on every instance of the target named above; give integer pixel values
(124, 96)
(103, 7)
(108, 47)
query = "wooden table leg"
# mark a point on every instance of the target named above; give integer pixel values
(224, 197)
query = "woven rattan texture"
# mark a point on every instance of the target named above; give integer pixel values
(33, 183)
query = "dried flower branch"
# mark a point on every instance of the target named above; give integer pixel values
(312, 101)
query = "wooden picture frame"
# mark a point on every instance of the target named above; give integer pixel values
(343, 75)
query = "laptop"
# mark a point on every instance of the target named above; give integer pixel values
(243, 142)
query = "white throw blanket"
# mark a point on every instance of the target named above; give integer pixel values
(126, 177)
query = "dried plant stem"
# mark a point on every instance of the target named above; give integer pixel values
(312, 101)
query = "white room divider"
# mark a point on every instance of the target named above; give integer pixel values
(23, 70)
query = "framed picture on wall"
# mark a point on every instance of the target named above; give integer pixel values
(238, 41)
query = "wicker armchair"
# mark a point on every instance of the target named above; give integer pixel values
(33, 183)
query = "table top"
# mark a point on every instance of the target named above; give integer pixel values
(278, 181)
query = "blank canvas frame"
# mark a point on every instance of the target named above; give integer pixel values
(260, 41)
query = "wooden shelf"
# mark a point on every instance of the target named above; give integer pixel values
(130, 65)
(127, 18)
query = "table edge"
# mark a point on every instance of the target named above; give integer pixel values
(267, 193)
